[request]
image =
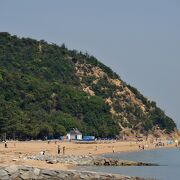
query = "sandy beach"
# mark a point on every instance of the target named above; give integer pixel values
(16, 151)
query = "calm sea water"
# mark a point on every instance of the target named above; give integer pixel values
(168, 159)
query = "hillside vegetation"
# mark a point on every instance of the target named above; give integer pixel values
(46, 89)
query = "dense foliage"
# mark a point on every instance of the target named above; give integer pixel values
(40, 93)
(40, 96)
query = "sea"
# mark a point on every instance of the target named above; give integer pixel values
(168, 160)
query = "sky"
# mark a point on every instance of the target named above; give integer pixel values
(139, 40)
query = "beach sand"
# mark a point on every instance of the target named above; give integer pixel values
(17, 150)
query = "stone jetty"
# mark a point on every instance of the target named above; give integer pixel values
(19, 172)
(32, 173)
(87, 160)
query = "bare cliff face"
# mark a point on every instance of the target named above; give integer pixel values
(119, 92)
(127, 105)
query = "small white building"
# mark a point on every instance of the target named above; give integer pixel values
(74, 134)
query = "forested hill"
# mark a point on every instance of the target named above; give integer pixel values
(46, 89)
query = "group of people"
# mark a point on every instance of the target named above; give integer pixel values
(59, 150)
(143, 147)
(43, 152)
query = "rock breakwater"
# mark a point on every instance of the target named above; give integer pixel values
(87, 160)
(29, 173)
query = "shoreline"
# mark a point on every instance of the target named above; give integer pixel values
(17, 152)
(139, 150)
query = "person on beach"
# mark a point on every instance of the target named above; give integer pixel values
(143, 147)
(5, 145)
(113, 149)
(176, 142)
(63, 150)
(59, 150)
(42, 153)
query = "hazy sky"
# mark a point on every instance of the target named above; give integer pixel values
(139, 39)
